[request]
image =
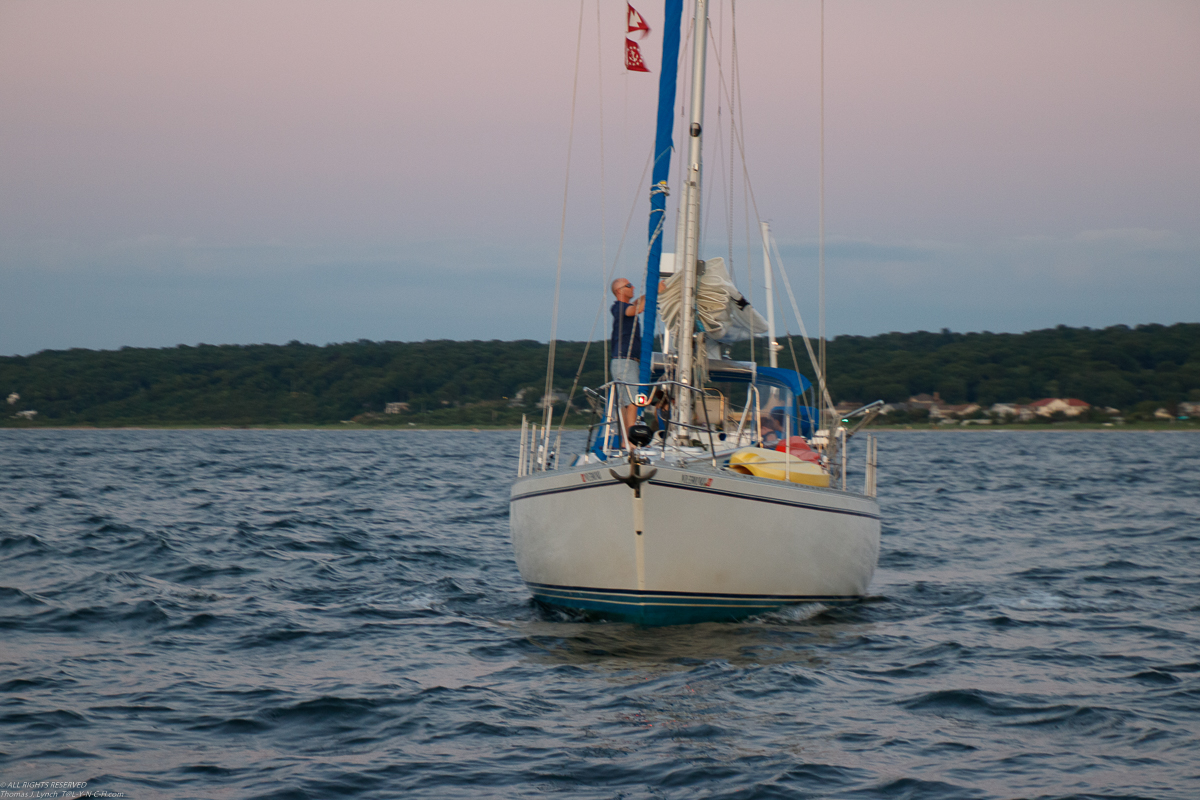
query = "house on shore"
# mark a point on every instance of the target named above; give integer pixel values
(1010, 410)
(1048, 406)
(961, 411)
(938, 408)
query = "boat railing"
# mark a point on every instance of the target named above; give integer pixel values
(870, 480)
(610, 391)
(837, 446)
(533, 455)
(756, 420)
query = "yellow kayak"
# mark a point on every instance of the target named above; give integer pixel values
(763, 463)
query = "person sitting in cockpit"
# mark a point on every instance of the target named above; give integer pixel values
(773, 427)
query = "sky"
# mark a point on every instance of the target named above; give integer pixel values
(246, 171)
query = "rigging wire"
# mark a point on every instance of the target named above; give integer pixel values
(739, 135)
(603, 223)
(729, 216)
(548, 397)
(821, 229)
(824, 391)
(717, 148)
(607, 278)
(735, 80)
(679, 135)
(606, 271)
(603, 300)
(777, 265)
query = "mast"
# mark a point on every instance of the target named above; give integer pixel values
(663, 145)
(770, 290)
(691, 199)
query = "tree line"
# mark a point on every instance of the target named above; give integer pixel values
(494, 382)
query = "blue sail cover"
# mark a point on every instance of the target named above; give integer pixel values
(788, 378)
(663, 145)
(805, 419)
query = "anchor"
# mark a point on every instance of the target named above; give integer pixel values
(635, 478)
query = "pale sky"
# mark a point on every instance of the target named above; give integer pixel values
(268, 170)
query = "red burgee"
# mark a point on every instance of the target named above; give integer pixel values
(633, 57)
(635, 22)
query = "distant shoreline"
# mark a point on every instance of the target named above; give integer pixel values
(1142, 427)
(490, 384)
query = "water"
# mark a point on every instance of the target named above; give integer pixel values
(292, 614)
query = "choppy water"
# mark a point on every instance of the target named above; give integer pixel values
(254, 614)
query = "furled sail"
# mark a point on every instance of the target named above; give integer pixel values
(725, 314)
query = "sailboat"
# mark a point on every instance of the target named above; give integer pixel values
(738, 504)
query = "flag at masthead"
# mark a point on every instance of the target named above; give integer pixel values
(634, 23)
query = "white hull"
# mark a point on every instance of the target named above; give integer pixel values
(713, 544)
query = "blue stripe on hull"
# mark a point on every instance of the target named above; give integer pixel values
(667, 608)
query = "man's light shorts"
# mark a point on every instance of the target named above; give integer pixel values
(629, 371)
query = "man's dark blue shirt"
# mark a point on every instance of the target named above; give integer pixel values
(626, 333)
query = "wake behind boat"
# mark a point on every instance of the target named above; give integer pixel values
(728, 495)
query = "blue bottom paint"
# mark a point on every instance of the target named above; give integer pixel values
(666, 608)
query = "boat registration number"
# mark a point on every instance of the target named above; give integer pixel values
(591, 477)
(696, 480)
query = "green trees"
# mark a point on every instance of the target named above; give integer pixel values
(1117, 366)
(477, 382)
(293, 383)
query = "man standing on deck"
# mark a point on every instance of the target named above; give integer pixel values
(626, 346)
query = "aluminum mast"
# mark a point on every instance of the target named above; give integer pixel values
(772, 347)
(691, 200)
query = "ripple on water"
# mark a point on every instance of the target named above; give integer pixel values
(337, 614)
